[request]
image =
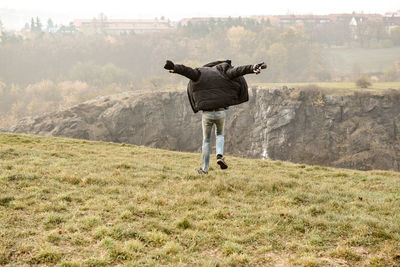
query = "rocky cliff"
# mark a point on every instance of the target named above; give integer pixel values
(359, 131)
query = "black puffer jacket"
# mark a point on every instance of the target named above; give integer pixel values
(216, 85)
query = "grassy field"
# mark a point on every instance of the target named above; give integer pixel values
(337, 87)
(66, 202)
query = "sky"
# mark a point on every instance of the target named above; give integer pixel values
(178, 9)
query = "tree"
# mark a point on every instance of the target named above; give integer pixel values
(50, 25)
(38, 25)
(235, 35)
(72, 27)
(102, 20)
(389, 75)
(377, 31)
(33, 26)
(361, 32)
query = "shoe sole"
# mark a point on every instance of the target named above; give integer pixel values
(222, 164)
(201, 172)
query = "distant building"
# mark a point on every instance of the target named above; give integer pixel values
(120, 26)
(392, 19)
(355, 19)
(356, 22)
(303, 19)
(206, 20)
(349, 19)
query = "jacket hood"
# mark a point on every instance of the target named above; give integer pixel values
(215, 63)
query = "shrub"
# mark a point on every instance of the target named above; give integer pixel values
(363, 82)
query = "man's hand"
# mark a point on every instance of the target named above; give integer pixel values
(257, 67)
(169, 65)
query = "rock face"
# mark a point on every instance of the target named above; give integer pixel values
(360, 131)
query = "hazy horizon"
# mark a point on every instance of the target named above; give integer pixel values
(15, 13)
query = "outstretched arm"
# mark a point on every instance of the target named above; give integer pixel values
(188, 72)
(246, 69)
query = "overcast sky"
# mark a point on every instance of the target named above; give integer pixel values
(178, 9)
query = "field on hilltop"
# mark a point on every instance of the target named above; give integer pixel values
(69, 202)
(337, 87)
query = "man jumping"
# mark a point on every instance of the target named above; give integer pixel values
(212, 89)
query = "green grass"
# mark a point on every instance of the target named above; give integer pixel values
(337, 87)
(66, 202)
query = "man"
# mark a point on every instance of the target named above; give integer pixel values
(212, 89)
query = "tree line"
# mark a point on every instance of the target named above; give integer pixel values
(47, 71)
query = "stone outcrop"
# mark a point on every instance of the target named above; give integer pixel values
(359, 130)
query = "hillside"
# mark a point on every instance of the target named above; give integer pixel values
(369, 60)
(311, 125)
(70, 202)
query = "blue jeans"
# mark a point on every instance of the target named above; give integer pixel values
(209, 118)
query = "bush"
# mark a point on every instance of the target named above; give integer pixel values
(363, 82)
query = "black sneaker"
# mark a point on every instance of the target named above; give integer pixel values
(221, 162)
(200, 171)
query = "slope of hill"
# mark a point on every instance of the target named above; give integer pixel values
(369, 60)
(70, 202)
(309, 125)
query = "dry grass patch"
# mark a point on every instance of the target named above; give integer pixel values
(71, 202)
